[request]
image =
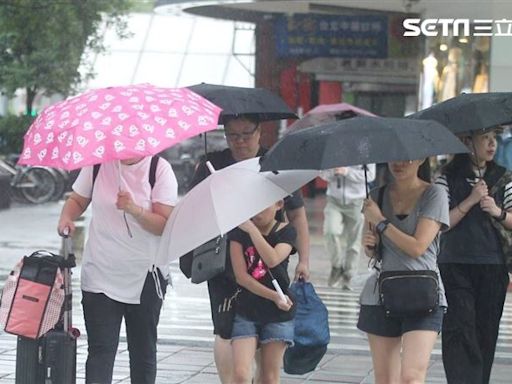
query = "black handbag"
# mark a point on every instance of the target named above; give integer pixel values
(409, 293)
(209, 259)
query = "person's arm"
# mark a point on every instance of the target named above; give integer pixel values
(250, 283)
(271, 256)
(415, 245)
(73, 208)
(152, 221)
(488, 205)
(298, 219)
(458, 212)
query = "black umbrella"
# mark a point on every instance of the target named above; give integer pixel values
(361, 140)
(236, 101)
(471, 112)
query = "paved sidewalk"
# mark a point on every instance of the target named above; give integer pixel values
(185, 341)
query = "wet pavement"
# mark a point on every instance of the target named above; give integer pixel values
(185, 332)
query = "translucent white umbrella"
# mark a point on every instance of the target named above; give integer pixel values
(224, 200)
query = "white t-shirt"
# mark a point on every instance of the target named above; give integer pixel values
(113, 262)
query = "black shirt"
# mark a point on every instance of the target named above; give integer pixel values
(250, 305)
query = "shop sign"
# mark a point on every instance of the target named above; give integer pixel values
(347, 36)
(369, 67)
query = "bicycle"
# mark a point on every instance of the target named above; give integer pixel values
(34, 184)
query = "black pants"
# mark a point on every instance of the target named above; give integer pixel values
(103, 318)
(476, 295)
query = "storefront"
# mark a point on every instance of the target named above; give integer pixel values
(451, 65)
(359, 58)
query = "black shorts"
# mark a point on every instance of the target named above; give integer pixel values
(221, 289)
(373, 320)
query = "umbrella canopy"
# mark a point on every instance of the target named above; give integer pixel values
(472, 112)
(116, 123)
(222, 201)
(328, 113)
(361, 140)
(235, 101)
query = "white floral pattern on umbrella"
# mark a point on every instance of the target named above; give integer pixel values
(116, 123)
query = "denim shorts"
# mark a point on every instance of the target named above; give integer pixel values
(373, 320)
(265, 333)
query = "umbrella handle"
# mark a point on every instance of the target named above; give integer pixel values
(279, 290)
(365, 167)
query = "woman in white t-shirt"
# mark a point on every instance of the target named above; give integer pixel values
(120, 277)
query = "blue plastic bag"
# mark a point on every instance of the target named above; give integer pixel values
(311, 330)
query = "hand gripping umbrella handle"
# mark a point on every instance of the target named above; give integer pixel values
(278, 289)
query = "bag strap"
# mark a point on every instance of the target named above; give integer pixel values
(152, 171)
(380, 201)
(274, 228)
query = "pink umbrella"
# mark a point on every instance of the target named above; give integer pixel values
(327, 113)
(116, 123)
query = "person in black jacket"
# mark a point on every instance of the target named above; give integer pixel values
(243, 139)
(472, 261)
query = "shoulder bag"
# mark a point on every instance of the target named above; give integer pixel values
(209, 259)
(407, 293)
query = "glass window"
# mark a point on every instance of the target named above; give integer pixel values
(453, 65)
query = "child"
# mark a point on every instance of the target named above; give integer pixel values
(260, 249)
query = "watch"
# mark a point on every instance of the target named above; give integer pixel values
(381, 226)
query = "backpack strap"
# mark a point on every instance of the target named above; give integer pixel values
(380, 200)
(152, 171)
(95, 170)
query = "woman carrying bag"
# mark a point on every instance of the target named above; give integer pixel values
(472, 259)
(404, 234)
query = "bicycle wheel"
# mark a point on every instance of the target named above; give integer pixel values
(61, 180)
(37, 185)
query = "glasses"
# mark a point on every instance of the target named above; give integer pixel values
(231, 136)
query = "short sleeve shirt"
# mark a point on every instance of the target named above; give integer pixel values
(433, 204)
(250, 305)
(113, 262)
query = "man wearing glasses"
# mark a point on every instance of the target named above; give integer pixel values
(243, 138)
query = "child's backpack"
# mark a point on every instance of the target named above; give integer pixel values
(33, 295)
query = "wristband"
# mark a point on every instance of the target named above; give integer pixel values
(502, 216)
